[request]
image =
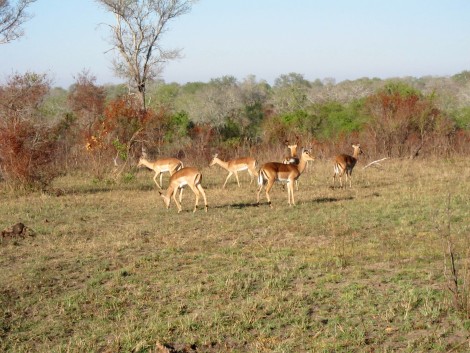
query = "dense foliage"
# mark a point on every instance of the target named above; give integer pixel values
(96, 125)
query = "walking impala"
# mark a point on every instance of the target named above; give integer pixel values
(161, 166)
(273, 171)
(345, 163)
(234, 166)
(186, 176)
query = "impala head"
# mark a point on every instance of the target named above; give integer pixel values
(214, 158)
(306, 155)
(292, 147)
(166, 199)
(141, 162)
(357, 148)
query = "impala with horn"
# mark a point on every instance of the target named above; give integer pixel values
(187, 176)
(289, 173)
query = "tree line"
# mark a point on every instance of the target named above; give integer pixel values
(46, 131)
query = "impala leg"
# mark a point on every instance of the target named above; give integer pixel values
(336, 173)
(196, 192)
(259, 192)
(341, 179)
(290, 193)
(236, 176)
(291, 187)
(155, 179)
(201, 190)
(268, 189)
(178, 205)
(251, 176)
(181, 194)
(228, 177)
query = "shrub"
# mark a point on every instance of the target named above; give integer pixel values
(29, 143)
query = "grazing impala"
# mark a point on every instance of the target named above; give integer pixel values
(234, 166)
(160, 166)
(345, 163)
(186, 176)
(273, 171)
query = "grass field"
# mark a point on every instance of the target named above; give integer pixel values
(109, 269)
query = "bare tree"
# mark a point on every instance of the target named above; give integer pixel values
(137, 35)
(11, 19)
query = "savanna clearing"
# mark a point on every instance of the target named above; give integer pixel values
(109, 269)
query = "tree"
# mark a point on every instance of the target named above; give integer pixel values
(87, 101)
(290, 93)
(137, 35)
(402, 119)
(11, 19)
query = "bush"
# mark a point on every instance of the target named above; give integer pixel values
(29, 143)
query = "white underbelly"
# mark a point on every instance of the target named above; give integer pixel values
(284, 180)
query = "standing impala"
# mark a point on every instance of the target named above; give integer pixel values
(160, 166)
(234, 166)
(345, 163)
(293, 158)
(273, 171)
(186, 176)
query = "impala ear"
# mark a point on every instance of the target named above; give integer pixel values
(215, 155)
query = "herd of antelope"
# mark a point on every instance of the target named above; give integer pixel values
(288, 171)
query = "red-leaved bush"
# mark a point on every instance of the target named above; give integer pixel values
(29, 144)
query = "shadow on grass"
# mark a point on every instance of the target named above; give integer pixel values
(242, 205)
(330, 199)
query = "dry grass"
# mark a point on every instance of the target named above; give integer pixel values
(355, 270)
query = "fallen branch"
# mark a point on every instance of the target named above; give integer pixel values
(375, 162)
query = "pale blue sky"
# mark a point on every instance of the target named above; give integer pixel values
(341, 39)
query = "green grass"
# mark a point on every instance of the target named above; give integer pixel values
(355, 270)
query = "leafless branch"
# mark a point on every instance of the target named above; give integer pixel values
(11, 19)
(375, 163)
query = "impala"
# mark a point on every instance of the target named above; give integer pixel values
(234, 166)
(273, 171)
(293, 158)
(345, 163)
(161, 166)
(185, 176)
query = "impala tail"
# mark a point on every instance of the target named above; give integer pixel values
(261, 177)
(337, 168)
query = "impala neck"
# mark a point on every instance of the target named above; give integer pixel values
(356, 153)
(302, 165)
(170, 190)
(145, 162)
(220, 162)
